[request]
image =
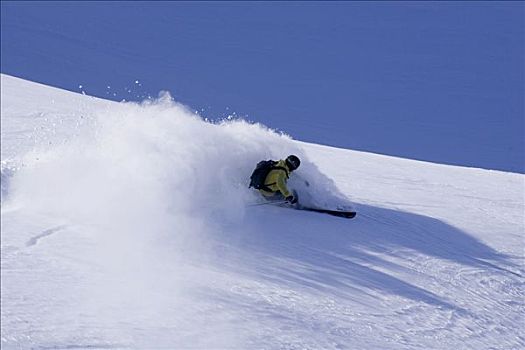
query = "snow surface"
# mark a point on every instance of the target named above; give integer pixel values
(130, 225)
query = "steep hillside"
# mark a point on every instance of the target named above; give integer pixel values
(131, 226)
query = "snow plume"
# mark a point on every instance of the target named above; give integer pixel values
(146, 184)
(135, 162)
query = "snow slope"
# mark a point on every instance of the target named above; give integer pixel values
(130, 226)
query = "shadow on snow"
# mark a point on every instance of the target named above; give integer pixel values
(339, 256)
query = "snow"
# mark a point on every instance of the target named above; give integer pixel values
(129, 225)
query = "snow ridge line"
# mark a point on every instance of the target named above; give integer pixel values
(34, 240)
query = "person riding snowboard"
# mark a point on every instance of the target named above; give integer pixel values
(270, 178)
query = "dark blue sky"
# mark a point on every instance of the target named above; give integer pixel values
(437, 81)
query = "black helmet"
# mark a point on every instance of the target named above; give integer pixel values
(293, 162)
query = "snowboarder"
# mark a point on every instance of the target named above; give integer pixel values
(270, 178)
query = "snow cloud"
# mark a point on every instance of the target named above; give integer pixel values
(149, 183)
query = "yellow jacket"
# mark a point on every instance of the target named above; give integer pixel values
(276, 180)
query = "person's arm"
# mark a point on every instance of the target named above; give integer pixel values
(281, 184)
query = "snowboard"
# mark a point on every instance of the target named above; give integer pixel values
(347, 214)
(339, 213)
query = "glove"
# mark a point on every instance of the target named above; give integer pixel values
(291, 199)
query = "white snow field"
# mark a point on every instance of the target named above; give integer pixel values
(131, 226)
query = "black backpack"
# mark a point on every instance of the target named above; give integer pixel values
(260, 173)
